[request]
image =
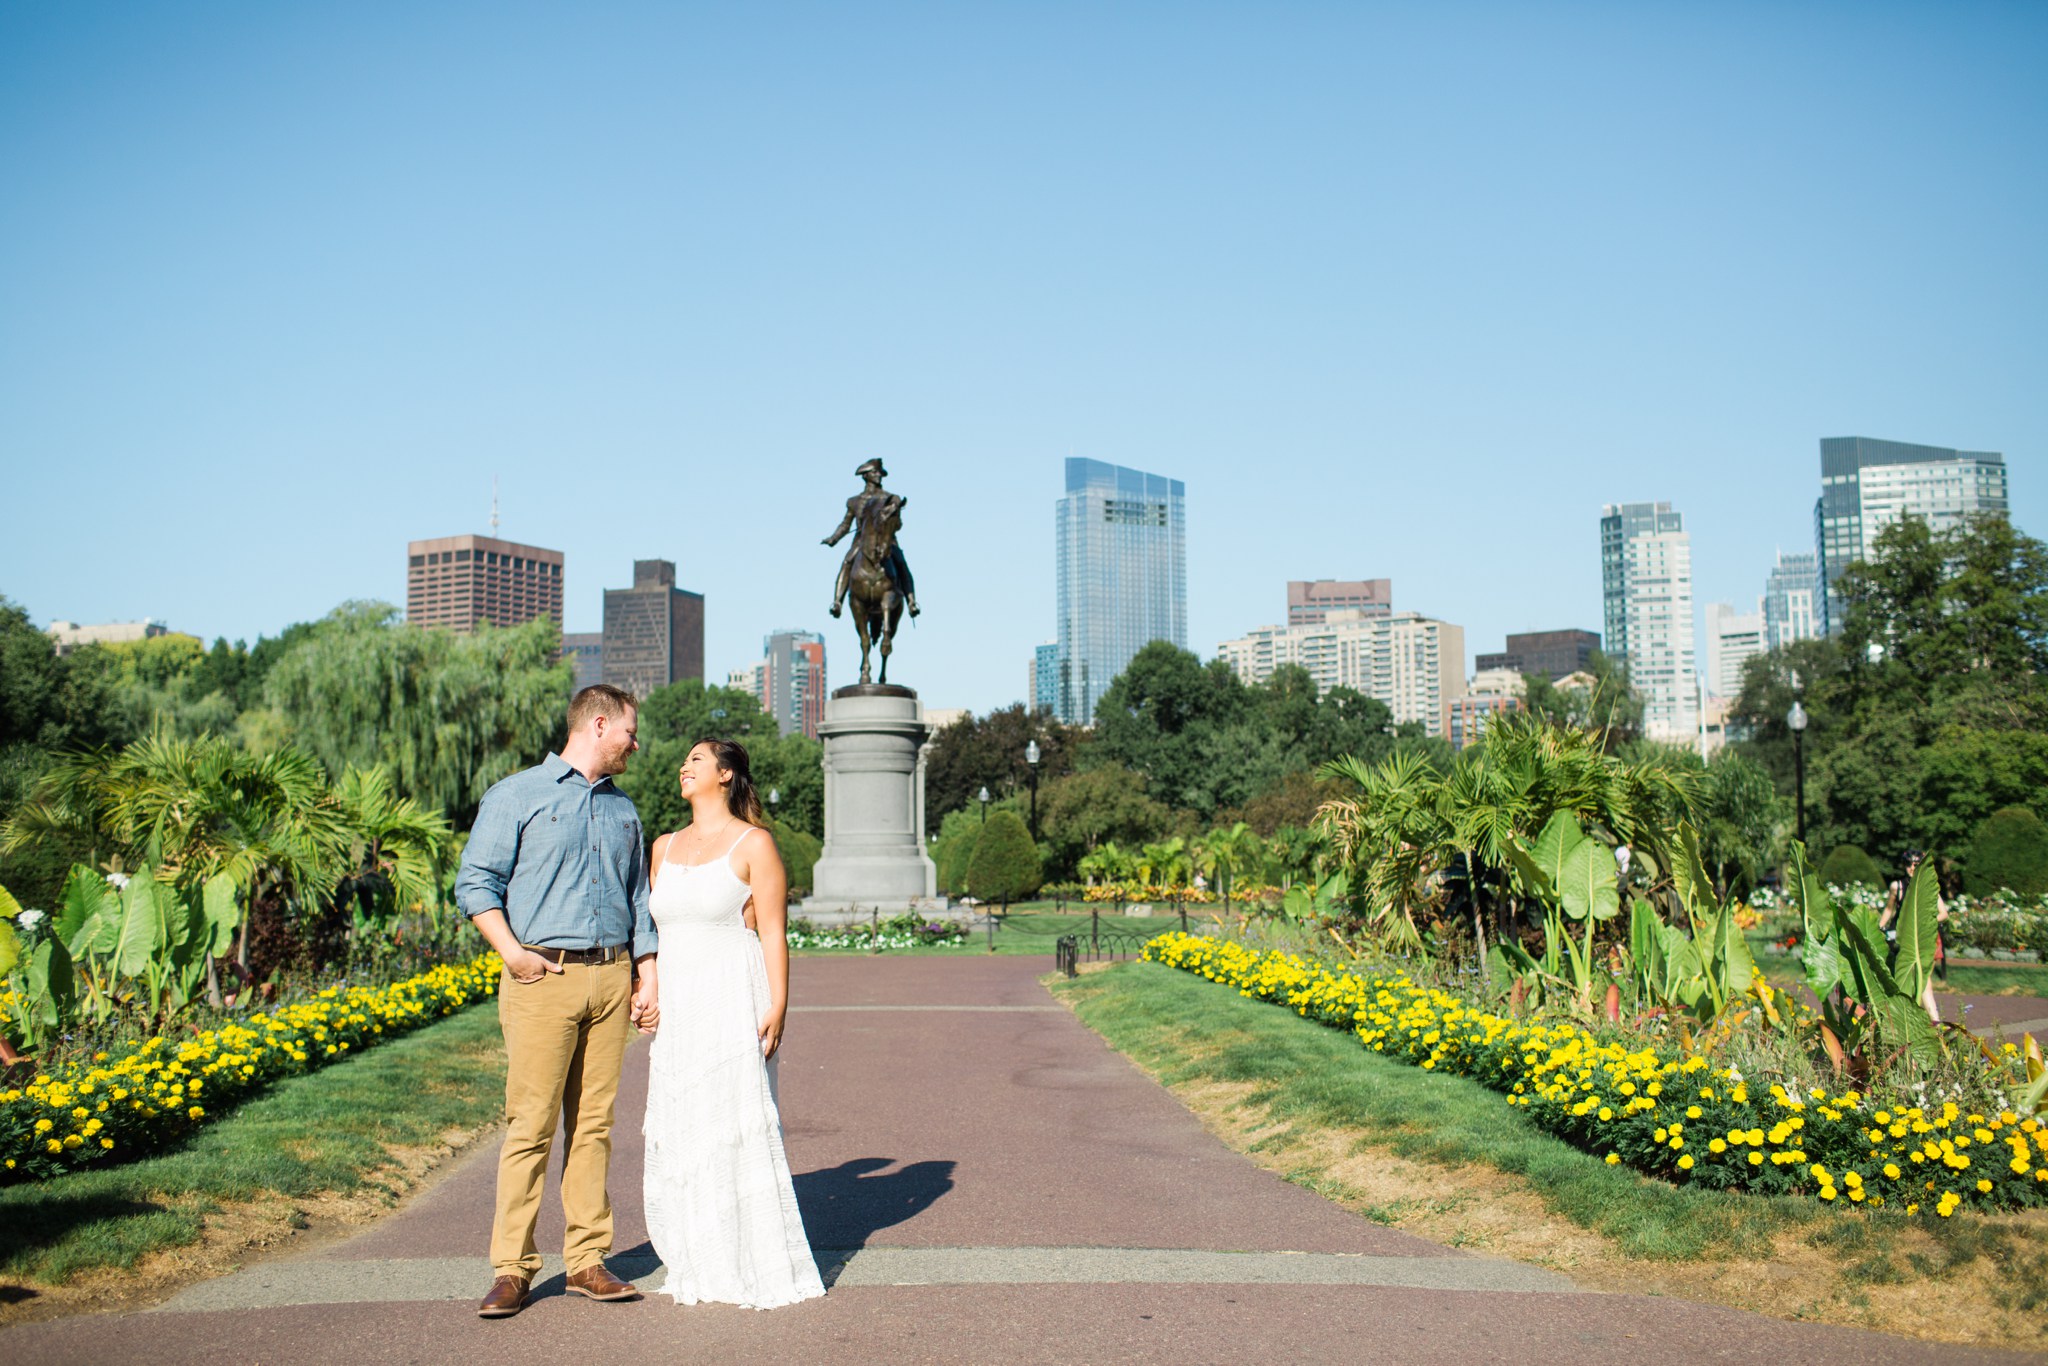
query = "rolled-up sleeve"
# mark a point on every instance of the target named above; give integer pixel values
(488, 857)
(645, 938)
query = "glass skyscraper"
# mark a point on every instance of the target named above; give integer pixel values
(1045, 678)
(1866, 484)
(1123, 576)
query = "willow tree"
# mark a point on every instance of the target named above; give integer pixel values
(445, 714)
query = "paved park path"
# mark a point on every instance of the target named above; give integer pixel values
(986, 1182)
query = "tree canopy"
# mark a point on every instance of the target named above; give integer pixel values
(1208, 742)
(446, 714)
(988, 751)
(1928, 712)
(675, 717)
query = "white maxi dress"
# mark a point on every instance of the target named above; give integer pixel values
(721, 1209)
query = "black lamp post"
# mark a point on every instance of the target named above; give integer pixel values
(1795, 721)
(1031, 758)
(982, 797)
(774, 799)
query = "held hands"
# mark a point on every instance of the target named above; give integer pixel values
(528, 967)
(646, 1011)
(771, 1032)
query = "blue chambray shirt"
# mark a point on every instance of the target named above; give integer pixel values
(563, 857)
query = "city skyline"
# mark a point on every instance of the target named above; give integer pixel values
(1315, 262)
(1790, 589)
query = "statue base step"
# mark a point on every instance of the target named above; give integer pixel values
(834, 914)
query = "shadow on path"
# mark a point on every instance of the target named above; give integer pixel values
(844, 1206)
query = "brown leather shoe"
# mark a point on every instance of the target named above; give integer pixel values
(507, 1297)
(599, 1284)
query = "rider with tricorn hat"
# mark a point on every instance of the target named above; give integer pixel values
(872, 506)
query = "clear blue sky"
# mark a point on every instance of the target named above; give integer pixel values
(1398, 290)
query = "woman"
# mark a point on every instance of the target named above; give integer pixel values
(721, 1210)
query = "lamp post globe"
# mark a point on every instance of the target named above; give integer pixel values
(982, 797)
(1795, 721)
(1031, 757)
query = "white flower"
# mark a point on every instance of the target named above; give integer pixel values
(28, 920)
(117, 881)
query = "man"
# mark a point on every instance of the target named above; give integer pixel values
(555, 876)
(882, 502)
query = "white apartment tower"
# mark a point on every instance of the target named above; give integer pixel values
(1646, 586)
(1414, 664)
(1791, 601)
(1733, 639)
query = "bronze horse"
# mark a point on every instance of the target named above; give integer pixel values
(877, 603)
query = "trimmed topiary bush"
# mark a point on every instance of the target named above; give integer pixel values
(1848, 866)
(2010, 851)
(1005, 863)
(952, 854)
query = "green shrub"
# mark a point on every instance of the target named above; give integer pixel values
(1005, 863)
(800, 850)
(1848, 866)
(2009, 851)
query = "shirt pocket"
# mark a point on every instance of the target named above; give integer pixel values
(622, 836)
(549, 835)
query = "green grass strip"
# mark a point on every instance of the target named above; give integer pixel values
(164, 1089)
(1184, 1029)
(327, 1131)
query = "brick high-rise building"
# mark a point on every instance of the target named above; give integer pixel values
(1310, 601)
(653, 631)
(460, 582)
(793, 680)
(1550, 653)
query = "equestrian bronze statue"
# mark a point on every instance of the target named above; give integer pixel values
(874, 570)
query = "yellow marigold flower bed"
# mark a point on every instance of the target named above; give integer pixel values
(1678, 1118)
(162, 1089)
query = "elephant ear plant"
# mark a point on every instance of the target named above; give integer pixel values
(144, 945)
(1572, 876)
(1870, 997)
(1699, 969)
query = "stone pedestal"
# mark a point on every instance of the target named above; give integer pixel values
(873, 860)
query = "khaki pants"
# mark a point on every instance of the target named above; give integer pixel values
(565, 1040)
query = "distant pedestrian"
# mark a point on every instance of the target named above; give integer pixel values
(555, 877)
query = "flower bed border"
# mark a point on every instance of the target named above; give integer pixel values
(1680, 1120)
(161, 1090)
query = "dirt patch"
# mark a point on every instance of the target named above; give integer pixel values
(239, 1234)
(1875, 1285)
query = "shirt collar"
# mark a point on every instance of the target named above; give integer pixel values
(558, 768)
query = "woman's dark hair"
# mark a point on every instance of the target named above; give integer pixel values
(740, 797)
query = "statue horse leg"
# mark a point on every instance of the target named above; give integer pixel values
(890, 614)
(863, 629)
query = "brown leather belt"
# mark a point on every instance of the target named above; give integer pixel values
(586, 957)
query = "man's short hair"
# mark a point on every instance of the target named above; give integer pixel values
(599, 699)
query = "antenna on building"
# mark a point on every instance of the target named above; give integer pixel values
(494, 506)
